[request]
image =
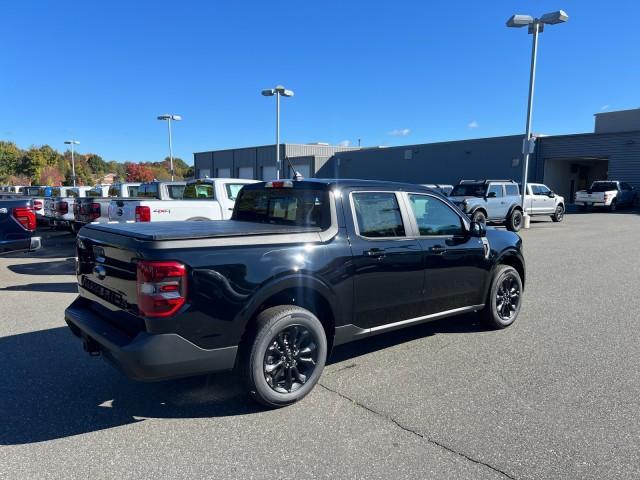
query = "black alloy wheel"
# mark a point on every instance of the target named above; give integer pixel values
(290, 359)
(508, 297)
(515, 221)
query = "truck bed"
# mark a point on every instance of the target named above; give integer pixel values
(182, 230)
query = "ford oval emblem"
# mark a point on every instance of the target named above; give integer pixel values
(100, 272)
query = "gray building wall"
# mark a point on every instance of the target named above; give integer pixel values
(444, 162)
(620, 121)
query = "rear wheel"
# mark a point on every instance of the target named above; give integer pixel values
(285, 356)
(505, 298)
(515, 220)
(479, 217)
(558, 215)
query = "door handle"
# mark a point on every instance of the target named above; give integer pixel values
(438, 249)
(375, 252)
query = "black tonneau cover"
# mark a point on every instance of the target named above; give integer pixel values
(183, 230)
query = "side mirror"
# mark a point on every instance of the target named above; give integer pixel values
(491, 195)
(552, 195)
(478, 230)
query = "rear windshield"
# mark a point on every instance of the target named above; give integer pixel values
(199, 191)
(469, 190)
(94, 192)
(32, 191)
(603, 186)
(284, 206)
(73, 193)
(148, 190)
(132, 190)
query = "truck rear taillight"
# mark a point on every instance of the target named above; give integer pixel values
(63, 208)
(162, 288)
(25, 217)
(143, 214)
(37, 204)
(94, 213)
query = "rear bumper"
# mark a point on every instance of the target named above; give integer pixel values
(146, 357)
(582, 203)
(27, 244)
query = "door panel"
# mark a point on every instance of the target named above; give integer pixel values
(497, 206)
(388, 268)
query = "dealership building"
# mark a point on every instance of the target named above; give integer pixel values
(566, 163)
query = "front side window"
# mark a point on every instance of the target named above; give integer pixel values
(469, 190)
(378, 215)
(543, 190)
(497, 189)
(434, 217)
(233, 189)
(198, 191)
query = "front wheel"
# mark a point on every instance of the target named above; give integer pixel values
(515, 220)
(505, 298)
(558, 215)
(285, 357)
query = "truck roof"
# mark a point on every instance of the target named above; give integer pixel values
(349, 183)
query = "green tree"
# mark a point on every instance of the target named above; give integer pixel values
(96, 163)
(32, 162)
(10, 156)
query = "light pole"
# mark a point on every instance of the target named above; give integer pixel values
(168, 117)
(278, 91)
(73, 160)
(535, 26)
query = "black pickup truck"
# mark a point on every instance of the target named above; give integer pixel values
(17, 225)
(301, 267)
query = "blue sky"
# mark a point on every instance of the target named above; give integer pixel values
(390, 73)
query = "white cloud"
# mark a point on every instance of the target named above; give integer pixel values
(604, 107)
(344, 143)
(400, 132)
(473, 124)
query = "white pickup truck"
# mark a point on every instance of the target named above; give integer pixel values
(50, 203)
(63, 207)
(94, 208)
(203, 199)
(607, 193)
(541, 200)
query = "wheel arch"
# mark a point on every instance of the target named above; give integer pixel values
(513, 259)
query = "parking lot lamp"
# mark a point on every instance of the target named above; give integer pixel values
(168, 117)
(278, 91)
(535, 26)
(73, 160)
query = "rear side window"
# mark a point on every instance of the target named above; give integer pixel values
(497, 189)
(132, 190)
(284, 206)
(198, 191)
(434, 217)
(176, 192)
(378, 214)
(233, 189)
(512, 190)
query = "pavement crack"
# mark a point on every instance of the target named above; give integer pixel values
(417, 433)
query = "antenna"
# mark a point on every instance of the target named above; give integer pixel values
(296, 175)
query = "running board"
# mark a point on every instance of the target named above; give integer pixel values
(350, 332)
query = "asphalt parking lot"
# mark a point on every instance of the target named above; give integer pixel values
(557, 395)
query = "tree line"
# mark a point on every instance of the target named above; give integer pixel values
(44, 165)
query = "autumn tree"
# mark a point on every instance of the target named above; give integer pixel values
(139, 172)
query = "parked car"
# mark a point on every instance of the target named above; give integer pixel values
(63, 207)
(607, 193)
(541, 200)
(50, 203)
(496, 201)
(202, 199)
(38, 195)
(444, 189)
(302, 266)
(17, 225)
(95, 206)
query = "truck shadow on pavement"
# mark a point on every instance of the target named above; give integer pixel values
(57, 267)
(54, 287)
(51, 389)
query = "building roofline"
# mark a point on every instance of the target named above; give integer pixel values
(624, 132)
(282, 144)
(616, 111)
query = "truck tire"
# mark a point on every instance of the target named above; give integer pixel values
(284, 357)
(515, 220)
(479, 217)
(504, 299)
(558, 215)
(614, 205)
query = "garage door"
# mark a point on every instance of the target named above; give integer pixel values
(245, 172)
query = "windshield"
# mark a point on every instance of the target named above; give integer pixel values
(603, 186)
(284, 206)
(469, 190)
